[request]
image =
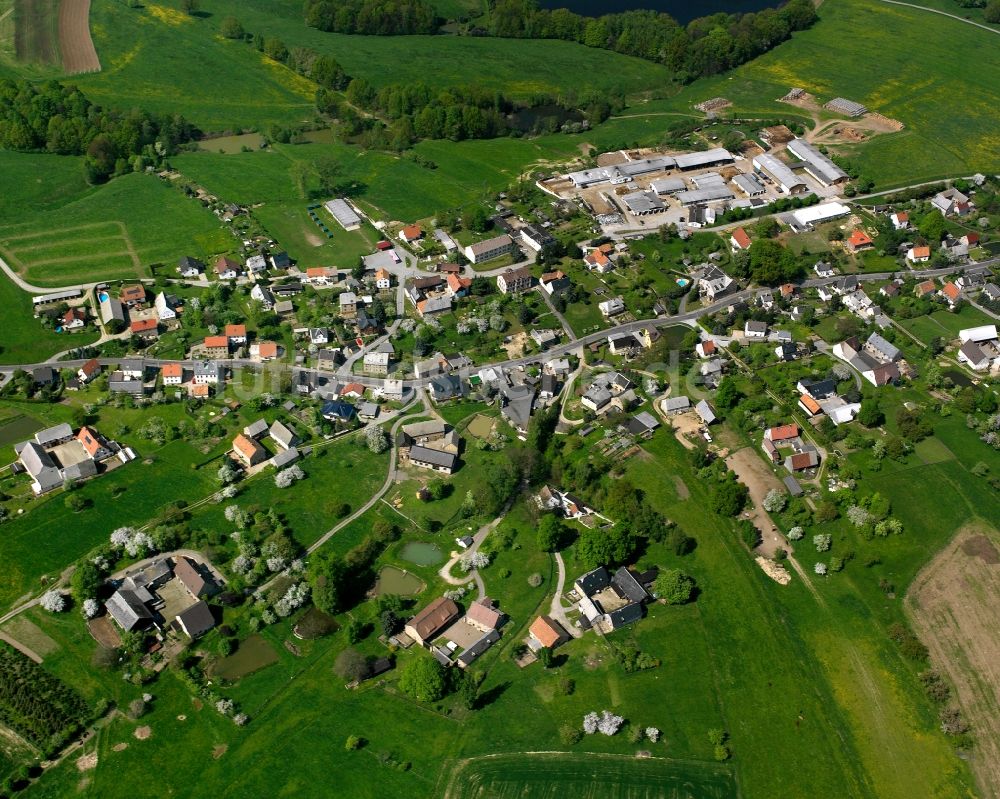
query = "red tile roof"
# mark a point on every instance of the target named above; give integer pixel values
(546, 631)
(783, 432)
(951, 291)
(143, 325)
(90, 440)
(214, 342)
(922, 252)
(133, 292)
(91, 367)
(353, 388)
(810, 404)
(246, 446)
(73, 314)
(172, 370)
(411, 232)
(267, 349)
(859, 239)
(741, 238)
(317, 271)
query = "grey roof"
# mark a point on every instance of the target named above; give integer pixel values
(207, 368)
(51, 435)
(111, 309)
(626, 584)
(133, 365)
(445, 386)
(748, 184)
(43, 375)
(779, 170)
(642, 422)
(816, 163)
(793, 486)
(517, 409)
(676, 403)
(368, 409)
(421, 429)
(593, 581)
(717, 155)
(497, 242)
(80, 469)
(117, 382)
(341, 210)
(889, 350)
(40, 466)
(639, 202)
(627, 615)
(284, 306)
(127, 609)
(197, 619)
(255, 429)
(480, 646)
(706, 195)
(756, 327)
(432, 456)
(668, 185)
(280, 433)
(285, 457)
(436, 305)
(971, 350)
(705, 412)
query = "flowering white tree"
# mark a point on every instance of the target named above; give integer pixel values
(228, 492)
(275, 563)
(294, 598)
(822, 542)
(609, 723)
(858, 516)
(241, 564)
(377, 439)
(236, 515)
(226, 474)
(267, 616)
(455, 594)
(775, 501)
(121, 536)
(286, 477)
(139, 545)
(90, 608)
(240, 719)
(590, 722)
(653, 734)
(296, 566)
(225, 706)
(795, 533)
(53, 601)
(820, 568)
(474, 560)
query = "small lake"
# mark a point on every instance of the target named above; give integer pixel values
(18, 429)
(421, 553)
(958, 378)
(254, 654)
(681, 10)
(396, 581)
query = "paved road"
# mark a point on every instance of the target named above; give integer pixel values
(943, 14)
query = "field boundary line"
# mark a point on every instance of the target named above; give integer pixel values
(68, 259)
(92, 240)
(34, 235)
(943, 14)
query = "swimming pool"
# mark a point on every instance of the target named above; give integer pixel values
(682, 281)
(103, 296)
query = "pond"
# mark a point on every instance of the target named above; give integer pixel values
(681, 10)
(421, 553)
(254, 654)
(396, 581)
(18, 429)
(957, 377)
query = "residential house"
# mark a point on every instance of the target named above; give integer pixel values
(133, 368)
(536, 238)
(802, 460)
(328, 360)
(133, 295)
(383, 279)
(263, 295)
(713, 283)
(195, 620)
(227, 269)
(927, 287)
(287, 289)
(705, 349)
(598, 261)
(376, 363)
(823, 269)
(781, 433)
(765, 299)
(489, 249)
(951, 202)
(248, 450)
(89, 371)
(172, 373)
(144, 328)
(216, 347)
(411, 233)
(319, 275)
(516, 403)
(951, 293)
(612, 307)
(281, 260)
(392, 390)
(282, 435)
(208, 373)
(971, 354)
(554, 282)
(97, 448)
(484, 615)
(546, 633)
(754, 329)
(433, 306)
(900, 220)
(433, 459)
(119, 383)
(256, 264)
(880, 349)
(514, 281)
(165, 306)
(458, 286)
(434, 619)
(889, 290)
(74, 319)
(739, 240)
(858, 241)
(319, 336)
(192, 578)
(236, 334)
(445, 387)
(190, 267)
(880, 374)
(264, 351)
(544, 338)
(338, 411)
(705, 412)
(348, 301)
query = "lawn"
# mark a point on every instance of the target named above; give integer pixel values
(588, 777)
(945, 324)
(103, 233)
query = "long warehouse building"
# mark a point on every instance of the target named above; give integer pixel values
(817, 164)
(780, 172)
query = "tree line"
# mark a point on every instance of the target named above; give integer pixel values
(60, 119)
(372, 17)
(707, 46)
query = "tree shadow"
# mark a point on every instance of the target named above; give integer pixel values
(487, 698)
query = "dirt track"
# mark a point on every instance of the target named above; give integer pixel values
(75, 43)
(751, 470)
(954, 604)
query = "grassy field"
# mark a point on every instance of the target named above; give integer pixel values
(944, 324)
(943, 136)
(103, 233)
(147, 58)
(36, 32)
(589, 777)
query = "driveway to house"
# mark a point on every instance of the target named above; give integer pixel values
(562, 319)
(477, 540)
(192, 554)
(556, 609)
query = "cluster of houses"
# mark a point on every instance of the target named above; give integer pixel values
(431, 445)
(434, 294)
(168, 595)
(980, 348)
(132, 309)
(784, 444)
(609, 391)
(249, 450)
(609, 601)
(136, 377)
(817, 397)
(58, 455)
(454, 638)
(877, 360)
